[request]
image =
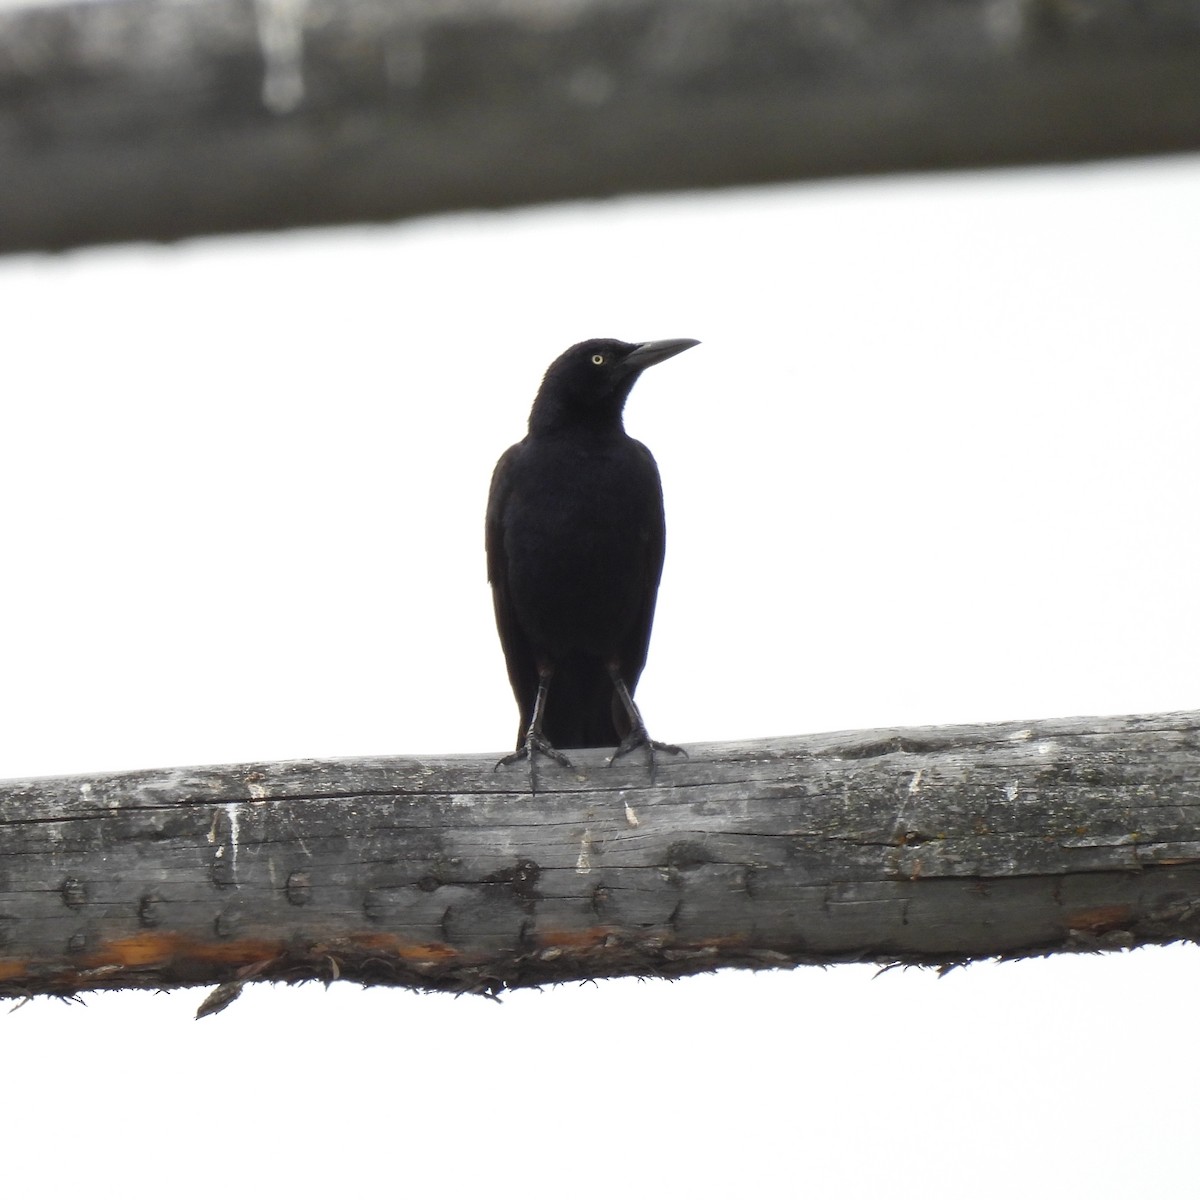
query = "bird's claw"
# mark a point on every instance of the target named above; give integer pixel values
(639, 737)
(533, 744)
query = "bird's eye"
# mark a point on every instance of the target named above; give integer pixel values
(598, 359)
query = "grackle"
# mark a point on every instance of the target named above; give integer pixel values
(575, 541)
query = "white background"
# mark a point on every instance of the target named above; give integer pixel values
(934, 462)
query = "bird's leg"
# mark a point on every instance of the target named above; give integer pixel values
(637, 735)
(535, 742)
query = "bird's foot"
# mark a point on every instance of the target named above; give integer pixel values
(534, 744)
(639, 737)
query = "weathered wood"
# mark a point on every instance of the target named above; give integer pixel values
(922, 845)
(142, 119)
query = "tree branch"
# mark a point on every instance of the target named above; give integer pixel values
(925, 845)
(139, 119)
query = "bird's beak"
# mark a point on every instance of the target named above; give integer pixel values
(649, 353)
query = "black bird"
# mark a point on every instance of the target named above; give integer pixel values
(575, 543)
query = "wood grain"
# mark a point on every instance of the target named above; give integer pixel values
(928, 846)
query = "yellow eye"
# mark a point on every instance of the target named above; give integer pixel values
(598, 359)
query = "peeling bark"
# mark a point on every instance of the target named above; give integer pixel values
(933, 846)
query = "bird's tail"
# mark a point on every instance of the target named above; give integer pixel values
(582, 708)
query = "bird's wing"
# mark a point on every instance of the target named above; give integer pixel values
(518, 654)
(652, 533)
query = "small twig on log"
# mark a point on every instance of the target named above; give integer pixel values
(934, 846)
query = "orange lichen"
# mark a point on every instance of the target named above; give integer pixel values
(147, 949)
(179, 955)
(1100, 920)
(574, 939)
(388, 943)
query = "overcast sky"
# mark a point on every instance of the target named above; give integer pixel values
(934, 462)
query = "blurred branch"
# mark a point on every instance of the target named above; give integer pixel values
(931, 846)
(142, 119)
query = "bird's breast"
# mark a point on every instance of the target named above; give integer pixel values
(578, 532)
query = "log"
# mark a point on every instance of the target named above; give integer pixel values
(149, 119)
(932, 846)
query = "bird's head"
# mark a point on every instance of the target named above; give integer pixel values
(589, 384)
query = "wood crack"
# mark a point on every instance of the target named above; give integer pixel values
(744, 854)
